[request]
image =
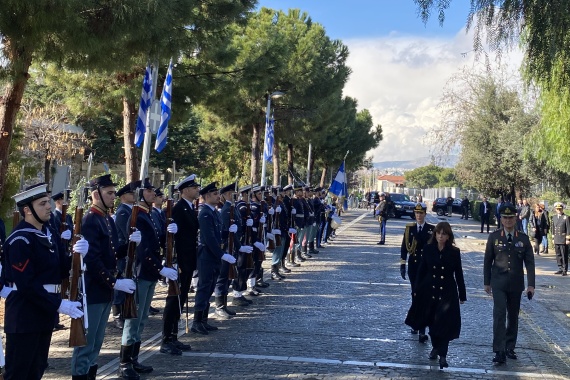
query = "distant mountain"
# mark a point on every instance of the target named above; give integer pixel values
(448, 162)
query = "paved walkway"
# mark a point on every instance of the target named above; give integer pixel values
(340, 316)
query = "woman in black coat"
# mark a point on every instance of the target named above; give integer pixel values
(439, 290)
(538, 225)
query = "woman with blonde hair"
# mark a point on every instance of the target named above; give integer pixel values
(439, 290)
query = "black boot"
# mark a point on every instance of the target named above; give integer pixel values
(312, 249)
(229, 311)
(443, 362)
(135, 360)
(259, 280)
(299, 256)
(205, 320)
(283, 267)
(92, 374)
(275, 273)
(220, 309)
(292, 259)
(168, 347)
(126, 370)
(305, 254)
(118, 320)
(197, 325)
(181, 346)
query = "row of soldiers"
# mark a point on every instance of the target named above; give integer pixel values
(218, 237)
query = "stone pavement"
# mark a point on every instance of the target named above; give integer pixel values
(340, 316)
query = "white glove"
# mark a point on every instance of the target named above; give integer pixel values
(249, 222)
(135, 237)
(262, 220)
(172, 228)
(314, 224)
(229, 258)
(66, 235)
(171, 274)
(81, 247)
(293, 211)
(246, 249)
(270, 236)
(276, 232)
(271, 211)
(292, 231)
(259, 245)
(125, 285)
(278, 209)
(70, 308)
(233, 228)
(6, 290)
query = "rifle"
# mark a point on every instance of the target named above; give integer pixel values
(173, 286)
(78, 328)
(293, 236)
(130, 307)
(270, 243)
(277, 219)
(232, 271)
(250, 264)
(63, 227)
(260, 233)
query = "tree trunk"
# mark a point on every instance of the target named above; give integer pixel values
(10, 104)
(276, 157)
(47, 173)
(323, 176)
(290, 163)
(129, 117)
(255, 153)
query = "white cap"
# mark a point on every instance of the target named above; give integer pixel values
(187, 182)
(31, 194)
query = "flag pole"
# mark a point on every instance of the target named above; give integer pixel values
(309, 166)
(148, 134)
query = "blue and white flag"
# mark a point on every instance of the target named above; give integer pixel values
(269, 137)
(144, 106)
(165, 106)
(338, 185)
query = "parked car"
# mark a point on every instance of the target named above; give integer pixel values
(439, 206)
(402, 205)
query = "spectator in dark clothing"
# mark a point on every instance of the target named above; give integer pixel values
(465, 208)
(500, 202)
(484, 213)
(2, 232)
(449, 203)
(525, 216)
(538, 225)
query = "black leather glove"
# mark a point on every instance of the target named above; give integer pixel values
(403, 270)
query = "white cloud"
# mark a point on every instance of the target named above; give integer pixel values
(400, 80)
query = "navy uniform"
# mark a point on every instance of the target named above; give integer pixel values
(149, 270)
(288, 245)
(121, 217)
(258, 212)
(413, 242)
(33, 266)
(281, 228)
(299, 221)
(561, 236)
(505, 254)
(310, 223)
(210, 254)
(99, 229)
(240, 283)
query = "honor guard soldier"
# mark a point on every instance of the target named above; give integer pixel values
(149, 270)
(299, 211)
(255, 278)
(231, 224)
(506, 251)
(416, 236)
(280, 228)
(185, 215)
(381, 211)
(210, 256)
(58, 199)
(34, 267)
(310, 223)
(288, 247)
(561, 236)
(99, 229)
(126, 195)
(240, 283)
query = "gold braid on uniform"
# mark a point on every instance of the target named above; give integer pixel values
(411, 248)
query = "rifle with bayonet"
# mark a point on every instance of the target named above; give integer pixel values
(293, 236)
(270, 219)
(64, 227)
(173, 286)
(248, 230)
(232, 271)
(130, 307)
(77, 291)
(277, 225)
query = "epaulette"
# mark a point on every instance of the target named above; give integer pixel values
(411, 224)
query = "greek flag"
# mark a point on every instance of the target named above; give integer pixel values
(165, 105)
(144, 106)
(338, 185)
(268, 148)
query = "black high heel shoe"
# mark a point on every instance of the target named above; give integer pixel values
(443, 362)
(433, 354)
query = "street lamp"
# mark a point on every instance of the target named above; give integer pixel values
(276, 94)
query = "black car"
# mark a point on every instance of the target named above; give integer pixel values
(402, 205)
(439, 206)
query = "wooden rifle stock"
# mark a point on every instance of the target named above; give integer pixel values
(173, 286)
(15, 219)
(77, 333)
(130, 307)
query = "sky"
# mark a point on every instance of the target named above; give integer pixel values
(400, 66)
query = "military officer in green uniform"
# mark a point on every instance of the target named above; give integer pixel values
(561, 236)
(416, 236)
(506, 251)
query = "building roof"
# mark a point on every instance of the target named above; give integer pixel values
(398, 180)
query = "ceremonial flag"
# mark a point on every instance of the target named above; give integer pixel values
(338, 185)
(269, 137)
(144, 106)
(165, 106)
